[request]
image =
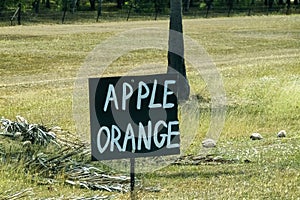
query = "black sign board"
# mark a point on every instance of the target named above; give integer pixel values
(134, 116)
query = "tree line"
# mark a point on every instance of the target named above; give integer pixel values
(144, 6)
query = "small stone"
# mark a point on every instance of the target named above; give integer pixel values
(256, 136)
(218, 158)
(209, 143)
(281, 134)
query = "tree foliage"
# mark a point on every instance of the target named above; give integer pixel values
(149, 6)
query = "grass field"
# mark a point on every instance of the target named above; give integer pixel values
(258, 59)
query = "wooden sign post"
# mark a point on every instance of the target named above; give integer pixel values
(132, 177)
(134, 116)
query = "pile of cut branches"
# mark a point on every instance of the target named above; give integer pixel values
(52, 151)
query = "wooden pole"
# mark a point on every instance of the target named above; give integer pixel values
(132, 178)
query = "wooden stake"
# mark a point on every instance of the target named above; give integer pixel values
(132, 178)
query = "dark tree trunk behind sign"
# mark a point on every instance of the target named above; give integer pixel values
(176, 61)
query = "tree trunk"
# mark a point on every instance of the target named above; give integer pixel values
(157, 8)
(187, 4)
(251, 7)
(47, 4)
(208, 6)
(288, 7)
(2, 3)
(120, 3)
(65, 8)
(19, 13)
(36, 6)
(271, 4)
(99, 12)
(176, 63)
(230, 7)
(93, 4)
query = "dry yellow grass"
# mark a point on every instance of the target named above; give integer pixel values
(258, 58)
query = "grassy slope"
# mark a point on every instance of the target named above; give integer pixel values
(258, 58)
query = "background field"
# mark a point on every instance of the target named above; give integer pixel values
(258, 58)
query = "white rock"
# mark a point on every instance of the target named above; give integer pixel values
(281, 133)
(256, 136)
(209, 143)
